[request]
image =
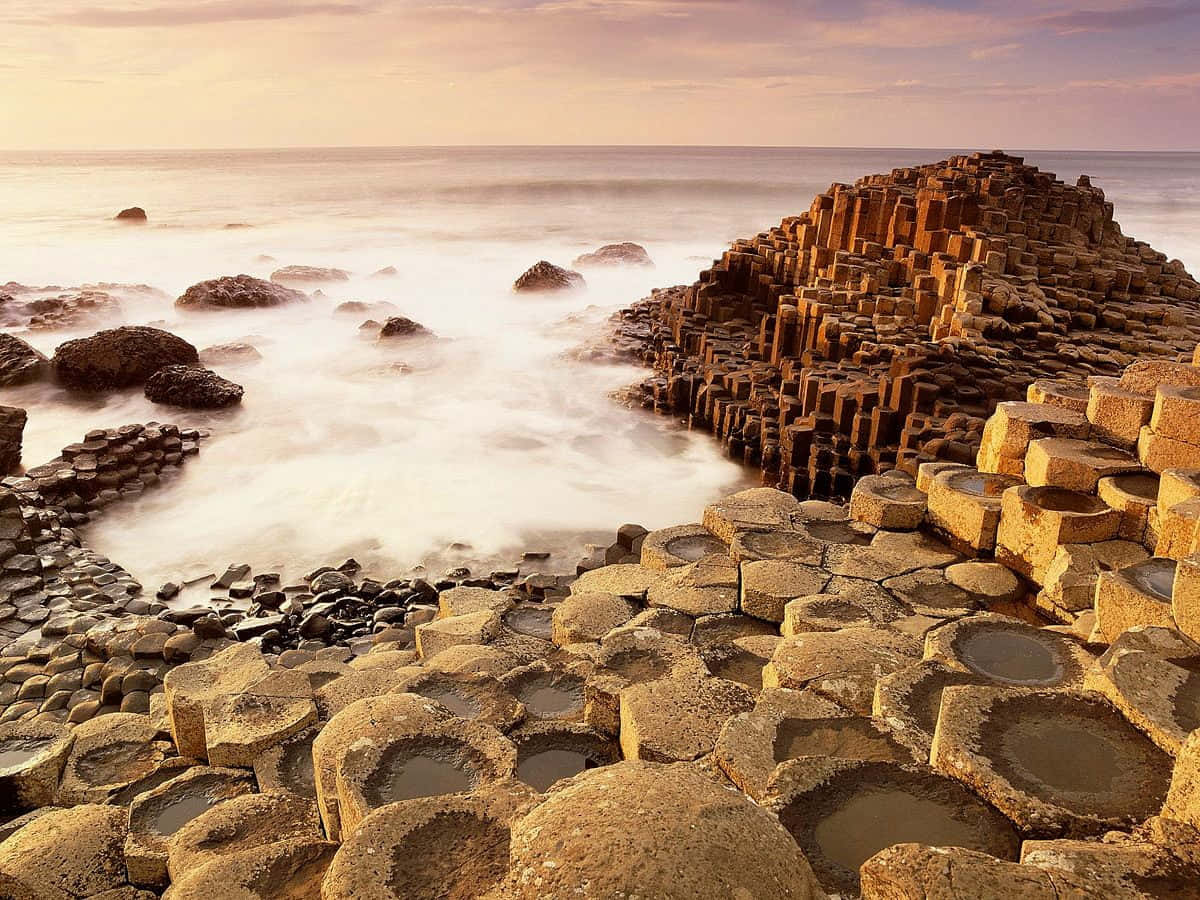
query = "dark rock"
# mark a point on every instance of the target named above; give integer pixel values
(545, 276)
(12, 428)
(332, 581)
(238, 292)
(399, 326)
(249, 628)
(193, 387)
(306, 274)
(235, 572)
(20, 363)
(133, 214)
(626, 253)
(120, 357)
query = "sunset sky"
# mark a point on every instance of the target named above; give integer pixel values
(1101, 74)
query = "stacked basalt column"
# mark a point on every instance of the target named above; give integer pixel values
(880, 328)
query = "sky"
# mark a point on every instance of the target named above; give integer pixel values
(115, 74)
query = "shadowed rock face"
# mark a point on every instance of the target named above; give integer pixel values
(238, 292)
(19, 362)
(401, 327)
(627, 253)
(192, 387)
(119, 357)
(545, 276)
(132, 214)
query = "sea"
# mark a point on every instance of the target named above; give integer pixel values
(495, 439)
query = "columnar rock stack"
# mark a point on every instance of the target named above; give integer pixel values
(878, 329)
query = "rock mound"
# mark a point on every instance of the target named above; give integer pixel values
(238, 292)
(132, 214)
(545, 276)
(119, 357)
(308, 274)
(623, 254)
(231, 354)
(193, 387)
(19, 362)
(400, 327)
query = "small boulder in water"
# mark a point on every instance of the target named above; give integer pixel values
(307, 274)
(133, 214)
(119, 357)
(231, 354)
(627, 254)
(545, 276)
(360, 307)
(400, 327)
(19, 362)
(193, 387)
(238, 292)
(385, 272)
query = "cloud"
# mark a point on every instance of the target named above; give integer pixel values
(995, 51)
(141, 16)
(1083, 20)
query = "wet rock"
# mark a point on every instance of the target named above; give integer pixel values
(237, 292)
(132, 214)
(308, 275)
(401, 327)
(192, 387)
(32, 755)
(235, 353)
(120, 357)
(20, 363)
(626, 253)
(544, 276)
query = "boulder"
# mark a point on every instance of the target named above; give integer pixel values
(230, 354)
(192, 387)
(237, 292)
(545, 276)
(19, 362)
(308, 274)
(623, 254)
(402, 327)
(76, 852)
(132, 214)
(120, 357)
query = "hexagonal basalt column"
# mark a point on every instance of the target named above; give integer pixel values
(1009, 652)
(679, 546)
(32, 756)
(964, 506)
(1139, 594)
(1075, 465)
(888, 501)
(1034, 521)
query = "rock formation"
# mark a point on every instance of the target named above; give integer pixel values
(19, 362)
(134, 214)
(12, 427)
(193, 387)
(401, 327)
(879, 329)
(307, 275)
(237, 292)
(624, 254)
(120, 357)
(545, 276)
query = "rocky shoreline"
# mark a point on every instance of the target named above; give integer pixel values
(970, 674)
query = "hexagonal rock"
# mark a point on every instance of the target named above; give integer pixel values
(680, 545)
(964, 506)
(742, 660)
(1133, 496)
(649, 830)
(467, 695)
(159, 813)
(794, 546)
(1117, 415)
(677, 719)
(453, 757)
(1009, 652)
(890, 553)
(624, 580)
(287, 767)
(1069, 395)
(786, 724)
(482, 659)
(588, 617)
(1075, 465)
(474, 628)
(548, 752)
(76, 852)
(1139, 594)
(1183, 798)
(462, 601)
(1145, 376)
(1058, 764)
(1160, 453)
(707, 587)
(450, 846)
(110, 753)
(241, 823)
(32, 756)
(1132, 867)
(548, 690)
(192, 687)
(823, 612)
(842, 665)
(1185, 596)
(917, 870)
(756, 509)
(371, 717)
(1158, 696)
(289, 868)
(842, 812)
(1070, 578)
(887, 501)
(335, 695)
(1034, 521)
(240, 727)
(986, 582)
(928, 592)
(1177, 413)
(768, 585)
(1013, 425)
(909, 701)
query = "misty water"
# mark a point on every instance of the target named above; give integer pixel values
(494, 437)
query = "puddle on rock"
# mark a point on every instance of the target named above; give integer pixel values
(549, 699)
(530, 620)
(979, 484)
(1062, 500)
(1154, 576)
(741, 666)
(778, 544)
(837, 533)
(1066, 757)
(542, 769)
(178, 813)
(853, 737)
(401, 776)
(15, 752)
(693, 547)
(1010, 656)
(120, 762)
(462, 706)
(296, 769)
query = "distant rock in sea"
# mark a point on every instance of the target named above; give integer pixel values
(625, 254)
(193, 387)
(119, 357)
(238, 292)
(369, 308)
(307, 274)
(231, 354)
(133, 214)
(385, 272)
(400, 327)
(20, 363)
(545, 276)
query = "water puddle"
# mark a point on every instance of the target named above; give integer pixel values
(849, 738)
(693, 547)
(402, 776)
(550, 699)
(15, 752)
(1010, 656)
(1066, 756)
(980, 484)
(534, 621)
(540, 770)
(1154, 576)
(178, 813)
(462, 706)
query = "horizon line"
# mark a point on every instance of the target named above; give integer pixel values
(563, 146)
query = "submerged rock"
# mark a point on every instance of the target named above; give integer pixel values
(238, 292)
(132, 214)
(545, 276)
(20, 363)
(400, 327)
(193, 387)
(119, 357)
(231, 354)
(306, 274)
(626, 253)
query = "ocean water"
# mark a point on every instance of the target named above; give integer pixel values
(495, 439)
